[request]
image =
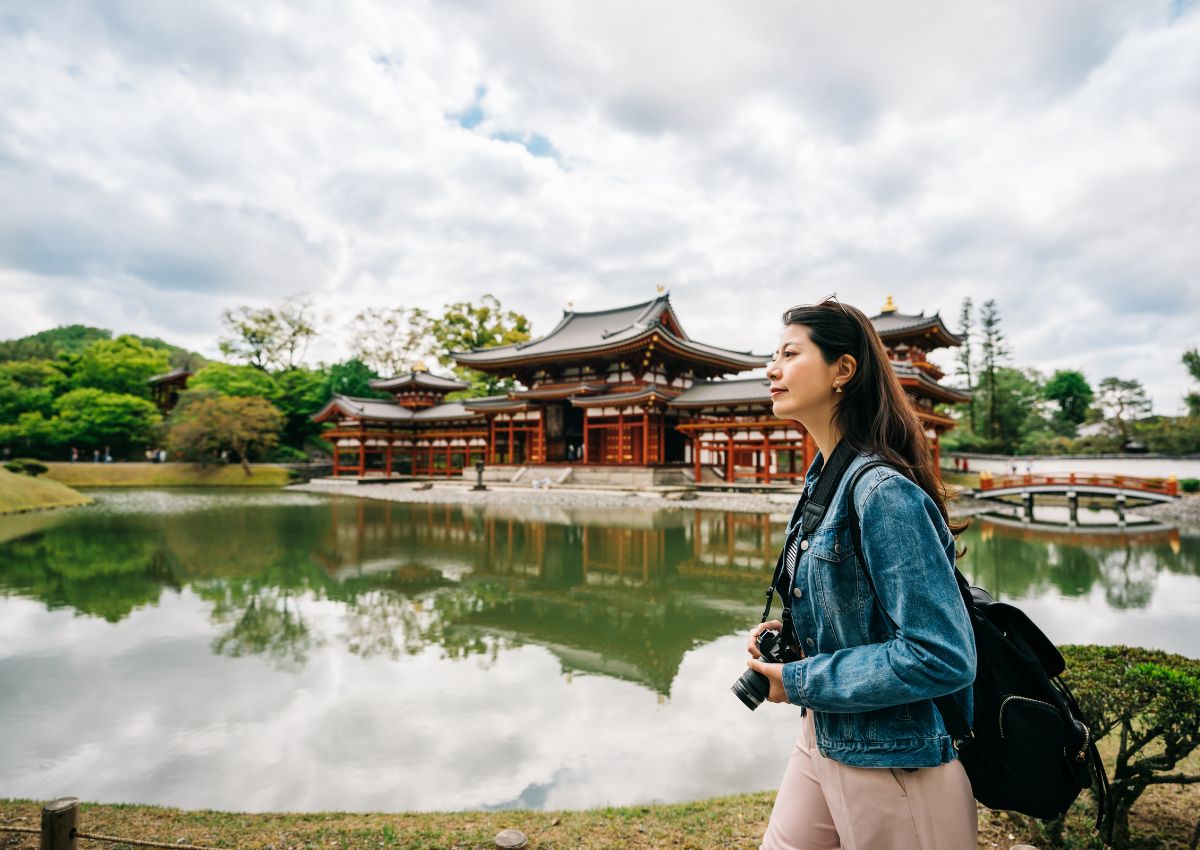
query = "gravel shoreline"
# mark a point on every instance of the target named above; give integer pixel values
(661, 499)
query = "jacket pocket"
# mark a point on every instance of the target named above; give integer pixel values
(838, 575)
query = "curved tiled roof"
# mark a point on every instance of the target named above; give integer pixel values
(899, 325)
(424, 380)
(588, 333)
(363, 408)
(741, 391)
(649, 392)
(909, 372)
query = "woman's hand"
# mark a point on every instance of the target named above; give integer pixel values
(774, 674)
(751, 645)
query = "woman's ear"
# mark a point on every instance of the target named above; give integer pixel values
(846, 368)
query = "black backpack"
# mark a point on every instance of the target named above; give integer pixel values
(1030, 749)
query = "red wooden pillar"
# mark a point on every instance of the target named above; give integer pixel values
(362, 452)
(696, 446)
(491, 446)
(645, 436)
(730, 474)
(540, 455)
(512, 445)
(388, 471)
(335, 458)
(449, 470)
(620, 435)
(766, 453)
(586, 436)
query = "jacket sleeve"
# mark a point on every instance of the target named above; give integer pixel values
(932, 649)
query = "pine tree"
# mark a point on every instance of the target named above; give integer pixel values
(966, 356)
(993, 353)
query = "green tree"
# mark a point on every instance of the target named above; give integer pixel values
(235, 380)
(993, 352)
(28, 386)
(1172, 435)
(391, 340)
(466, 325)
(204, 424)
(122, 365)
(353, 378)
(302, 392)
(965, 357)
(52, 344)
(31, 435)
(1073, 395)
(270, 338)
(1191, 359)
(92, 417)
(1150, 700)
(1121, 403)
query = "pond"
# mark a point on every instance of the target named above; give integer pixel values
(288, 651)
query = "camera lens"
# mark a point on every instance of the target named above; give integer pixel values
(752, 688)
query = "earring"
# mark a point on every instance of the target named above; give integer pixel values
(837, 388)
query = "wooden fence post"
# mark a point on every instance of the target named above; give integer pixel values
(59, 824)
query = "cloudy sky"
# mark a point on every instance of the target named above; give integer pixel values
(160, 162)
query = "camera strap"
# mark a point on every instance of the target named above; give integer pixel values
(811, 510)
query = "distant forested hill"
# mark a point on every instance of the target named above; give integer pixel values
(73, 339)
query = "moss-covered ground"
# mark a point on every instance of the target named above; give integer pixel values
(166, 475)
(20, 493)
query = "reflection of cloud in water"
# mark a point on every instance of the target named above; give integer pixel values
(187, 500)
(345, 732)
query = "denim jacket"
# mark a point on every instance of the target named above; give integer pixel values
(871, 684)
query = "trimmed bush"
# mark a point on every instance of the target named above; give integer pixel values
(1190, 485)
(1151, 699)
(27, 466)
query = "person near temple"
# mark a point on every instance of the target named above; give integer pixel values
(874, 767)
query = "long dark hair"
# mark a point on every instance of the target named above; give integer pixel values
(873, 413)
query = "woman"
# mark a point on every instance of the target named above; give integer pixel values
(873, 767)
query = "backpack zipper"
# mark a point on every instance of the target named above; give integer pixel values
(1009, 699)
(1087, 733)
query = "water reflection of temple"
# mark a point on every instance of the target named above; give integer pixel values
(619, 592)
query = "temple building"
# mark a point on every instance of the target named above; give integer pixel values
(622, 392)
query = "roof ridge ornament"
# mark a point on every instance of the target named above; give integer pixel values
(889, 307)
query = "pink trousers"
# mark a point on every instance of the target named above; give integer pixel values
(825, 805)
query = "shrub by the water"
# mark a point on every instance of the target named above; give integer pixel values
(26, 466)
(1151, 700)
(1190, 485)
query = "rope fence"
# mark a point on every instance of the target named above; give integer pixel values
(60, 832)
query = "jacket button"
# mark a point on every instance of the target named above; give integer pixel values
(810, 641)
(804, 545)
(837, 548)
(798, 593)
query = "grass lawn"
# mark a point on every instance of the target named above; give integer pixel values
(166, 475)
(24, 493)
(1163, 820)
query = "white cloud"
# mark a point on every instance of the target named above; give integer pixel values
(172, 164)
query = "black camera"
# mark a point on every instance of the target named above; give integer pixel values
(752, 687)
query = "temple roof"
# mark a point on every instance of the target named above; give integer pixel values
(643, 394)
(894, 326)
(381, 410)
(418, 380)
(740, 391)
(908, 373)
(580, 334)
(169, 377)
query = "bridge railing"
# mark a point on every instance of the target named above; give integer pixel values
(1168, 486)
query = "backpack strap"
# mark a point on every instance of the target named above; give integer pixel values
(812, 509)
(952, 715)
